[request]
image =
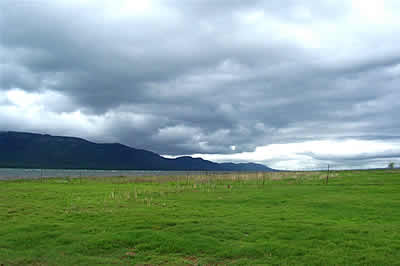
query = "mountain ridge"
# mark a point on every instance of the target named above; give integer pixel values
(32, 150)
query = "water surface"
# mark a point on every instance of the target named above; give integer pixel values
(12, 173)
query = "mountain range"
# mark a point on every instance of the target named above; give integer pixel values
(30, 150)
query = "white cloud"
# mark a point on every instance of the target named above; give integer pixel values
(317, 154)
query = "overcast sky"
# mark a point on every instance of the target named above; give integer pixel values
(291, 84)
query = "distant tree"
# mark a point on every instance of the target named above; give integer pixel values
(391, 165)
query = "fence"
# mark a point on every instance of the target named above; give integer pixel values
(9, 174)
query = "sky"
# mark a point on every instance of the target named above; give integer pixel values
(289, 84)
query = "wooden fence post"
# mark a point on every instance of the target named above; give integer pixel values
(327, 175)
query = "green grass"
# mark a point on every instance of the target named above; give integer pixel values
(277, 218)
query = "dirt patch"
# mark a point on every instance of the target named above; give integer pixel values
(192, 259)
(130, 253)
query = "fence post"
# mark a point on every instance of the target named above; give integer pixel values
(327, 175)
(263, 178)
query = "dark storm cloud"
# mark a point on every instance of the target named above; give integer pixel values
(182, 77)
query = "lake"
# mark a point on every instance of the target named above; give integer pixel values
(11, 173)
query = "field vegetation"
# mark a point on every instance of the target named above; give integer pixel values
(283, 218)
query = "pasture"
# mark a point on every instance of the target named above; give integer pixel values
(283, 218)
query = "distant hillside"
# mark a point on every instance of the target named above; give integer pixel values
(29, 150)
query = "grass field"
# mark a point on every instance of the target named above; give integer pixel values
(243, 219)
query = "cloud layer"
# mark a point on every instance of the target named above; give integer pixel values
(198, 77)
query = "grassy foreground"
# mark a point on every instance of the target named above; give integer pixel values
(246, 219)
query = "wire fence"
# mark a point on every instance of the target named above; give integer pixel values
(11, 173)
(331, 167)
